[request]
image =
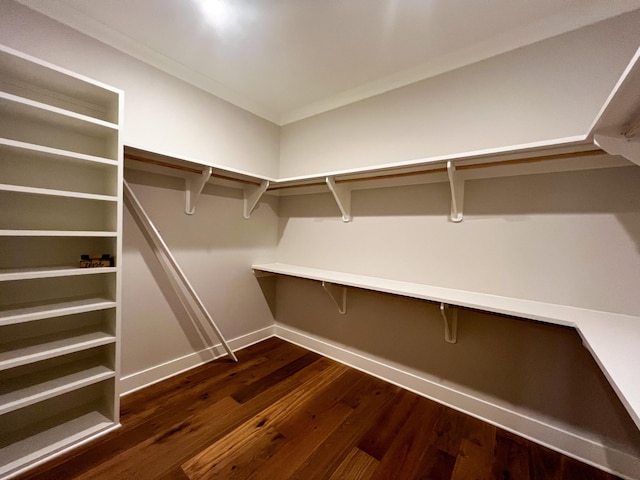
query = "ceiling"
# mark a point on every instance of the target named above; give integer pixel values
(285, 60)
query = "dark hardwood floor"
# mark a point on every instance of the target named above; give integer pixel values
(283, 412)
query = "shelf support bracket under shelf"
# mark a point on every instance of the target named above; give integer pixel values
(450, 325)
(193, 186)
(178, 280)
(338, 294)
(342, 195)
(457, 192)
(252, 196)
(620, 145)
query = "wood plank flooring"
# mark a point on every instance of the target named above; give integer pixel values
(285, 413)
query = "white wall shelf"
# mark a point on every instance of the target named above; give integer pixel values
(40, 310)
(49, 346)
(564, 155)
(17, 394)
(61, 196)
(56, 233)
(612, 338)
(8, 274)
(56, 193)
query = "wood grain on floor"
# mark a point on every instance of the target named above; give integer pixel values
(283, 412)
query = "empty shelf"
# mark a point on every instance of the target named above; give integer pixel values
(25, 391)
(7, 274)
(612, 338)
(39, 311)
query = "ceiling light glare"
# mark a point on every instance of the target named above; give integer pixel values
(215, 11)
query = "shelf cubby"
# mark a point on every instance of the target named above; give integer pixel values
(33, 341)
(39, 381)
(45, 428)
(30, 122)
(39, 81)
(27, 210)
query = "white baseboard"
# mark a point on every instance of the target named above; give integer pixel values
(157, 373)
(569, 443)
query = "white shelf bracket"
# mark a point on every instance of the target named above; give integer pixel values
(252, 196)
(193, 185)
(338, 294)
(457, 192)
(620, 145)
(342, 195)
(450, 324)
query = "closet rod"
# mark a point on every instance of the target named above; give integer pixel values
(185, 168)
(384, 176)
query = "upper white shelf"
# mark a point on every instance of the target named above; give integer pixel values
(612, 338)
(32, 78)
(19, 106)
(55, 154)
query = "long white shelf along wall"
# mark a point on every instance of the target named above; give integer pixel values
(611, 338)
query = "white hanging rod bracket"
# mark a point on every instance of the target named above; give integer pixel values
(338, 294)
(342, 195)
(252, 195)
(620, 145)
(457, 192)
(450, 324)
(193, 185)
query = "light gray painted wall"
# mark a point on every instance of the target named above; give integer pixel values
(548, 90)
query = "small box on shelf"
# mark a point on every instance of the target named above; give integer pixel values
(96, 260)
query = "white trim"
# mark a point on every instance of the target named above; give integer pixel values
(568, 443)
(145, 378)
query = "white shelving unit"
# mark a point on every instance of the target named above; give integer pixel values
(61, 197)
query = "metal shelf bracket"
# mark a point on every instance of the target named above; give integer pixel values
(457, 192)
(338, 294)
(342, 195)
(252, 196)
(193, 185)
(450, 325)
(620, 145)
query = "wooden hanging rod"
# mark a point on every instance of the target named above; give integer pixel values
(184, 168)
(384, 176)
(381, 176)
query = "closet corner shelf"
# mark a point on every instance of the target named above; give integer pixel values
(611, 338)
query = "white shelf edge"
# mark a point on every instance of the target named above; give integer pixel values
(56, 233)
(58, 111)
(42, 149)
(612, 338)
(59, 70)
(54, 347)
(51, 272)
(15, 457)
(31, 313)
(56, 193)
(53, 387)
